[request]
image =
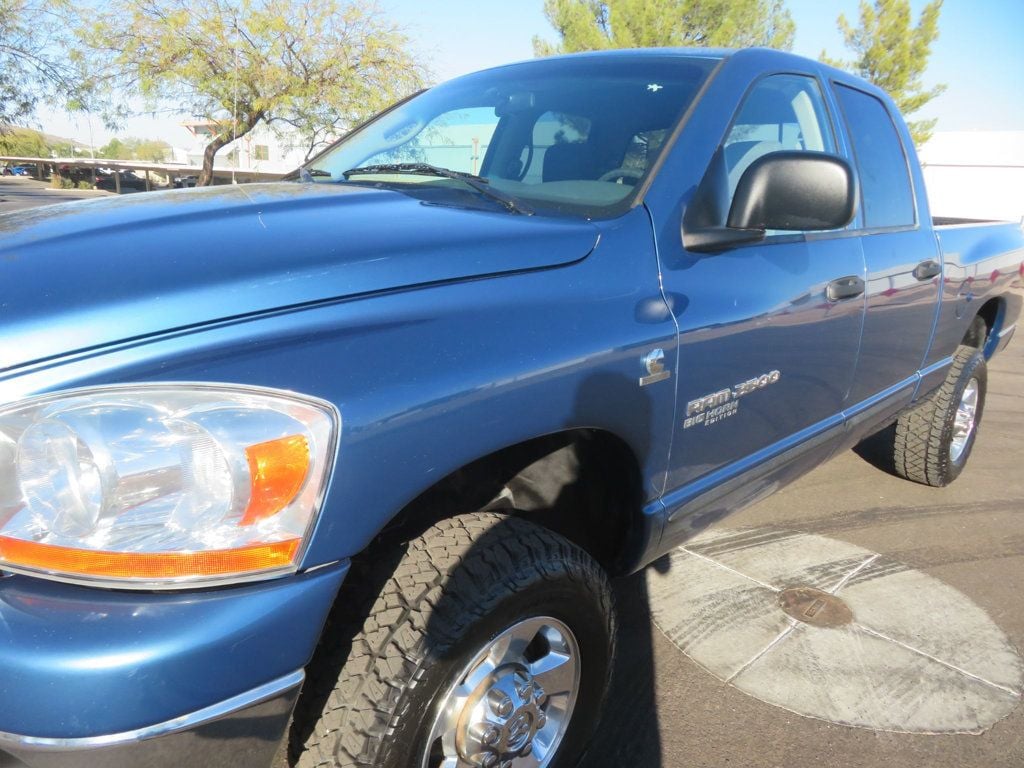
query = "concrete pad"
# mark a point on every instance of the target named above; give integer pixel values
(920, 612)
(916, 656)
(719, 618)
(782, 558)
(850, 677)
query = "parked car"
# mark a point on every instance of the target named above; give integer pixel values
(78, 173)
(128, 181)
(342, 465)
(20, 170)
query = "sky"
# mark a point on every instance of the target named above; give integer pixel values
(978, 56)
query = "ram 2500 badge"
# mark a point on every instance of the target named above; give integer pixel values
(334, 471)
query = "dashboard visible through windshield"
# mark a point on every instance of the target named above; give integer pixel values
(563, 135)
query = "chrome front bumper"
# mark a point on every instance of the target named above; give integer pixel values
(245, 731)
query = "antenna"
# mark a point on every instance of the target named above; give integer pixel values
(234, 107)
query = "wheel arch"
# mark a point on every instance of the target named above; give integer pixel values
(992, 314)
(583, 483)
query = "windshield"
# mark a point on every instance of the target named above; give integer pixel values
(572, 135)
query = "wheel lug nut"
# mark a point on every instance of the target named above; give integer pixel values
(484, 733)
(542, 719)
(500, 703)
(489, 760)
(538, 693)
(523, 684)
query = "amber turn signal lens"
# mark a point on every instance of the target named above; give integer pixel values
(147, 565)
(278, 469)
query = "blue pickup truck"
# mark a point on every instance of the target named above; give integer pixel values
(334, 471)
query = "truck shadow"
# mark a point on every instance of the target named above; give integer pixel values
(628, 736)
(876, 450)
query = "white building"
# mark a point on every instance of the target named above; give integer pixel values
(261, 149)
(975, 174)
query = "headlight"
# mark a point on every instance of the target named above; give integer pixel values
(160, 486)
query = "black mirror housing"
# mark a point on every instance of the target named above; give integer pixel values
(786, 190)
(792, 190)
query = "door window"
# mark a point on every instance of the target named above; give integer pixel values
(886, 195)
(782, 112)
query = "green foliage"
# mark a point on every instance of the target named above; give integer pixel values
(114, 150)
(135, 149)
(319, 65)
(893, 54)
(588, 25)
(61, 182)
(23, 142)
(61, 148)
(33, 56)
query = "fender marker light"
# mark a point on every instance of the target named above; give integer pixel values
(162, 486)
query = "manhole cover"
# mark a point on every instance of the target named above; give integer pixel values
(812, 606)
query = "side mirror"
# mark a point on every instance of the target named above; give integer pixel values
(806, 191)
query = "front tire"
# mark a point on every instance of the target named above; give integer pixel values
(934, 439)
(491, 642)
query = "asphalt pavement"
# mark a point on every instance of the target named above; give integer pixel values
(19, 192)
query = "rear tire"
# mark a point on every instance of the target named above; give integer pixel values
(934, 439)
(457, 591)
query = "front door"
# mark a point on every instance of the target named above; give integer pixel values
(766, 357)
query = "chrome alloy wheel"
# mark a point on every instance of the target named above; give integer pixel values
(964, 422)
(510, 706)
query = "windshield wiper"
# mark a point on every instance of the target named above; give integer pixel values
(479, 183)
(304, 174)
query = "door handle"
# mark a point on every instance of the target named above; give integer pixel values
(926, 270)
(845, 288)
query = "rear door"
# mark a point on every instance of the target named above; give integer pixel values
(904, 271)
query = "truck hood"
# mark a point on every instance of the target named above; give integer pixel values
(80, 275)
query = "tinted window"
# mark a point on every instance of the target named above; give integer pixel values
(886, 194)
(782, 112)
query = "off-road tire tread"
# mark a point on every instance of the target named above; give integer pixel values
(920, 453)
(388, 654)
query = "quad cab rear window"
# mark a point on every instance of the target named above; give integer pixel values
(886, 194)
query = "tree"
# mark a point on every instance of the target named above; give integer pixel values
(33, 60)
(23, 142)
(893, 54)
(320, 65)
(587, 25)
(153, 150)
(114, 150)
(135, 149)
